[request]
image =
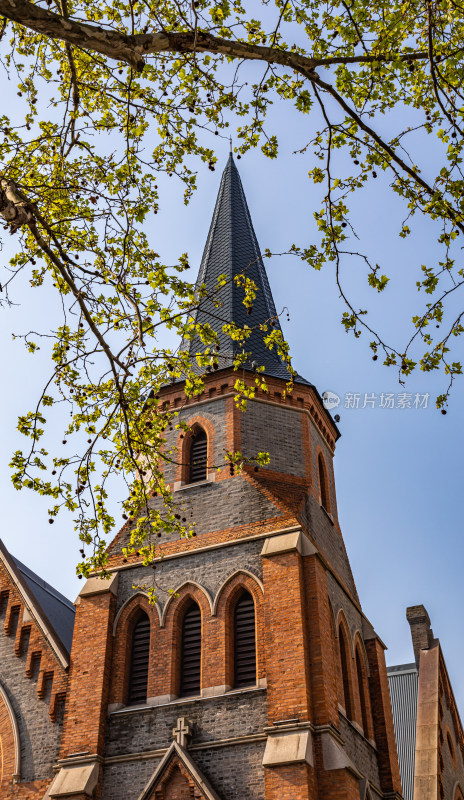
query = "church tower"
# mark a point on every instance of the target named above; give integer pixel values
(258, 677)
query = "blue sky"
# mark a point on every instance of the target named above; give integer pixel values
(398, 471)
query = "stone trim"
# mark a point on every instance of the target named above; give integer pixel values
(181, 486)
(162, 700)
(97, 585)
(169, 556)
(231, 577)
(128, 602)
(256, 537)
(287, 542)
(289, 748)
(76, 779)
(334, 756)
(177, 752)
(328, 514)
(215, 691)
(14, 725)
(177, 591)
(159, 700)
(217, 743)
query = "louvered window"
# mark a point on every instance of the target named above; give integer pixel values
(139, 662)
(244, 642)
(191, 652)
(198, 457)
(362, 692)
(325, 500)
(345, 674)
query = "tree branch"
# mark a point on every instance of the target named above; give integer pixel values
(131, 49)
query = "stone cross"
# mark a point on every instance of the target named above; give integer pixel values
(183, 732)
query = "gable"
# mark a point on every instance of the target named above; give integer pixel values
(177, 777)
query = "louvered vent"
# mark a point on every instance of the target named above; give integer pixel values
(244, 642)
(344, 667)
(323, 484)
(198, 457)
(191, 652)
(139, 662)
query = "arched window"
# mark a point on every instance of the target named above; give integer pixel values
(323, 485)
(362, 691)
(140, 652)
(190, 666)
(244, 642)
(344, 651)
(198, 456)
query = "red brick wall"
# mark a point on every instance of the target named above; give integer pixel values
(38, 649)
(287, 664)
(216, 667)
(383, 718)
(87, 704)
(321, 645)
(7, 750)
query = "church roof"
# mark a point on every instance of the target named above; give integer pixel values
(232, 249)
(59, 610)
(53, 612)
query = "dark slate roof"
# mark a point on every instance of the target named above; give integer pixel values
(232, 249)
(56, 607)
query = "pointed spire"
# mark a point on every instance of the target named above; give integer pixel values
(232, 249)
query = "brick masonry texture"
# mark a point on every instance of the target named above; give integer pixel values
(328, 540)
(215, 506)
(237, 714)
(235, 771)
(277, 431)
(452, 769)
(341, 602)
(319, 445)
(39, 736)
(360, 752)
(214, 413)
(126, 780)
(210, 569)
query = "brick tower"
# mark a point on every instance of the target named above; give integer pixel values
(260, 678)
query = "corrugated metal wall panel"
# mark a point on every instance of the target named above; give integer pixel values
(403, 683)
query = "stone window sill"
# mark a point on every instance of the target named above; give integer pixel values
(181, 486)
(177, 701)
(328, 515)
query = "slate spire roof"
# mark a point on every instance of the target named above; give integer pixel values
(232, 249)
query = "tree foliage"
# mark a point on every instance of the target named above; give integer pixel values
(113, 94)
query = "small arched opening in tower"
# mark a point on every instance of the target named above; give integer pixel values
(323, 483)
(345, 671)
(244, 642)
(140, 653)
(362, 688)
(190, 668)
(198, 456)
